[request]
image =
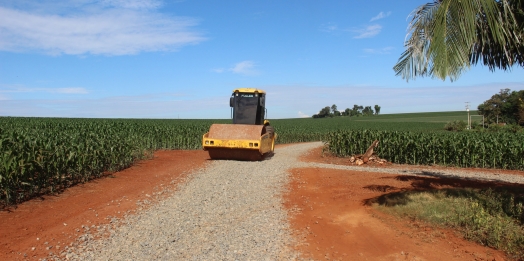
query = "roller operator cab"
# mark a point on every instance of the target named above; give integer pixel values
(250, 137)
(248, 106)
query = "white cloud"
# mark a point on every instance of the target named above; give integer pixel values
(392, 100)
(73, 90)
(329, 27)
(368, 31)
(380, 16)
(307, 100)
(133, 4)
(302, 115)
(218, 70)
(244, 67)
(160, 105)
(385, 50)
(23, 89)
(127, 27)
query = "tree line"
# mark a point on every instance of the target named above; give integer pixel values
(504, 107)
(358, 110)
(504, 111)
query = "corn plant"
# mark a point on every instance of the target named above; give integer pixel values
(481, 150)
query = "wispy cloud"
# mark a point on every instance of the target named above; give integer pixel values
(360, 32)
(392, 100)
(133, 4)
(244, 67)
(302, 115)
(108, 27)
(329, 27)
(385, 50)
(368, 31)
(278, 103)
(159, 105)
(73, 90)
(380, 16)
(218, 70)
(23, 89)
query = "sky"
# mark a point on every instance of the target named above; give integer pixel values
(182, 59)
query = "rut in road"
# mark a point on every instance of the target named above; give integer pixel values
(230, 210)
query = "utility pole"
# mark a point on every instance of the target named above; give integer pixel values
(469, 121)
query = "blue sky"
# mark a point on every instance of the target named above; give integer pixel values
(182, 59)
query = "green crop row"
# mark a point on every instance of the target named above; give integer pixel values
(481, 150)
(45, 155)
(39, 155)
(42, 155)
(305, 130)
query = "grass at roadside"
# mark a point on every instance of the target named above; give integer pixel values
(492, 217)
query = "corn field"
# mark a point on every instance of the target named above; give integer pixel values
(479, 150)
(47, 155)
(39, 155)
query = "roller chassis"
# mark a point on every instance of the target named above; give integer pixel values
(239, 149)
(250, 137)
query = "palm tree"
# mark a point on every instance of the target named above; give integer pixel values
(446, 37)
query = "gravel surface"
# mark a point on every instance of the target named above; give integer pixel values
(422, 171)
(493, 175)
(228, 211)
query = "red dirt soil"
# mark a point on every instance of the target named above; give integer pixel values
(333, 217)
(335, 220)
(58, 219)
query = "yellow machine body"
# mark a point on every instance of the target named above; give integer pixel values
(248, 90)
(238, 141)
(242, 141)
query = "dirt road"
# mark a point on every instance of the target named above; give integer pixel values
(328, 210)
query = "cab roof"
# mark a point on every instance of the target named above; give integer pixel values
(249, 90)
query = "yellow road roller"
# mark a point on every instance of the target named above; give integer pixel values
(250, 137)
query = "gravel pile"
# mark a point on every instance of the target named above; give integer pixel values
(228, 211)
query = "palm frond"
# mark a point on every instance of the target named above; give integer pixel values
(414, 61)
(446, 37)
